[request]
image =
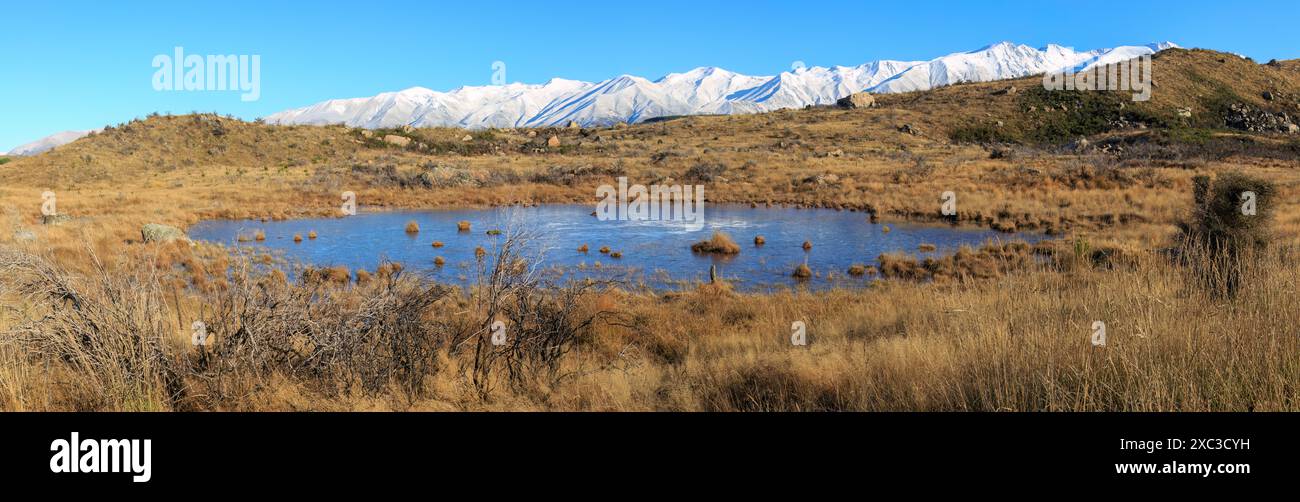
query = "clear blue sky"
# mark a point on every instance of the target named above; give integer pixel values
(80, 65)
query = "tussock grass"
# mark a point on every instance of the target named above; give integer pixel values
(719, 243)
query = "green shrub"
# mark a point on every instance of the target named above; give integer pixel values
(1221, 236)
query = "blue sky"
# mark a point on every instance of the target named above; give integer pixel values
(80, 65)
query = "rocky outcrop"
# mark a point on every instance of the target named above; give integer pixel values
(55, 219)
(1246, 118)
(396, 140)
(857, 100)
(154, 232)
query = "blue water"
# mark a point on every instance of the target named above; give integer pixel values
(655, 254)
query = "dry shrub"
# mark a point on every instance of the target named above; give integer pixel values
(1220, 238)
(111, 334)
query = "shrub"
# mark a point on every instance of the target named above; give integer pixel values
(1220, 236)
(705, 172)
(412, 227)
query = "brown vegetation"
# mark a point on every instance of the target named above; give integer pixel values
(719, 243)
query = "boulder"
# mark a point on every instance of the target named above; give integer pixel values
(394, 139)
(857, 100)
(154, 232)
(55, 219)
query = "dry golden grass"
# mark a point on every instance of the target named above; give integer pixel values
(1010, 343)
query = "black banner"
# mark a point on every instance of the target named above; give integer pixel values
(322, 452)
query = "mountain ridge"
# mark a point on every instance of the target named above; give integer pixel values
(700, 91)
(706, 90)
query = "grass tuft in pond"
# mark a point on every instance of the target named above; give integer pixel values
(720, 243)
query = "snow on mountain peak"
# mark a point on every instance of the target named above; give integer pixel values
(703, 90)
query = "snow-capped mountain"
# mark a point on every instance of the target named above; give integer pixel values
(50, 142)
(707, 90)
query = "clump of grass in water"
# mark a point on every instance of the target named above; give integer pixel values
(802, 271)
(857, 270)
(807, 245)
(259, 236)
(479, 252)
(297, 237)
(463, 226)
(583, 249)
(927, 248)
(437, 244)
(412, 227)
(720, 243)
(494, 232)
(616, 255)
(439, 261)
(759, 240)
(604, 250)
(311, 235)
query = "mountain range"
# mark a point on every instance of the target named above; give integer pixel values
(701, 91)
